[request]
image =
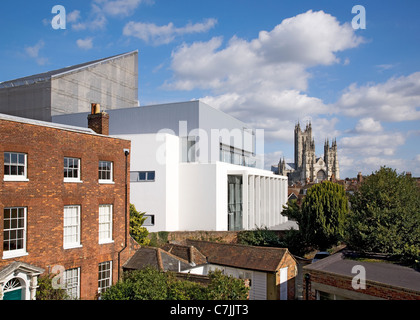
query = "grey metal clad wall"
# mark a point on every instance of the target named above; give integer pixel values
(152, 119)
(30, 101)
(112, 83)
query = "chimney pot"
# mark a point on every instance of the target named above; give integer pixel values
(98, 121)
(95, 108)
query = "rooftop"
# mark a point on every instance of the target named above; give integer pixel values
(267, 259)
(377, 270)
(55, 73)
(6, 117)
(157, 258)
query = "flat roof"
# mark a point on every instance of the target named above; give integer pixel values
(377, 270)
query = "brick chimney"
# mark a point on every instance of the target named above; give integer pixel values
(98, 121)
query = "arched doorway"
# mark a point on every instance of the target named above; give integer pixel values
(13, 290)
(320, 176)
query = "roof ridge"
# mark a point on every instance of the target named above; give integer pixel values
(238, 244)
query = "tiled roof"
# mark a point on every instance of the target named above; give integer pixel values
(157, 258)
(188, 253)
(265, 259)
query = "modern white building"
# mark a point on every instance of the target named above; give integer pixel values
(194, 167)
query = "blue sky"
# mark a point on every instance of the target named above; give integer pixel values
(269, 63)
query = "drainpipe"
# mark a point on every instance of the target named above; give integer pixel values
(126, 153)
(307, 278)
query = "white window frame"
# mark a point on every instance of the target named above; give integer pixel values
(106, 212)
(17, 252)
(15, 177)
(146, 176)
(73, 291)
(102, 279)
(70, 225)
(111, 179)
(78, 179)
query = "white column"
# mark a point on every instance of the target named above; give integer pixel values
(245, 195)
(251, 200)
(257, 201)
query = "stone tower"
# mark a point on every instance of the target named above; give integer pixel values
(331, 159)
(307, 167)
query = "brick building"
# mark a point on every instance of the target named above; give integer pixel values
(64, 202)
(348, 276)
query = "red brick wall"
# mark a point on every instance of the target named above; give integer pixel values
(45, 195)
(373, 289)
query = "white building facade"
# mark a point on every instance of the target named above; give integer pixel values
(196, 168)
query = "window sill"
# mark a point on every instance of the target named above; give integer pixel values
(106, 241)
(75, 246)
(106, 182)
(10, 179)
(14, 254)
(72, 181)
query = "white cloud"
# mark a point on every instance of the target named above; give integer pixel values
(73, 16)
(157, 35)
(85, 44)
(33, 52)
(368, 125)
(120, 7)
(398, 99)
(262, 81)
(373, 144)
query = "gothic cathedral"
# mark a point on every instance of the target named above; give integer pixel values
(307, 167)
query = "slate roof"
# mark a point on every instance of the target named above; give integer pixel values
(7, 117)
(267, 259)
(379, 271)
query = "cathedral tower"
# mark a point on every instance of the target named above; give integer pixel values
(307, 167)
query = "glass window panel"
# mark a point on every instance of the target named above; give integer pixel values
(7, 157)
(21, 171)
(151, 175)
(142, 176)
(14, 158)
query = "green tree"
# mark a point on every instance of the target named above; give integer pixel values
(321, 217)
(45, 290)
(137, 231)
(145, 284)
(385, 215)
(151, 284)
(258, 237)
(224, 287)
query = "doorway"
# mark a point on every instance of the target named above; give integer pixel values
(234, 203)
(13, 290)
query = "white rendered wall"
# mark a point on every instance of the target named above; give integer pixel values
(203, 196)
(159, 153)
